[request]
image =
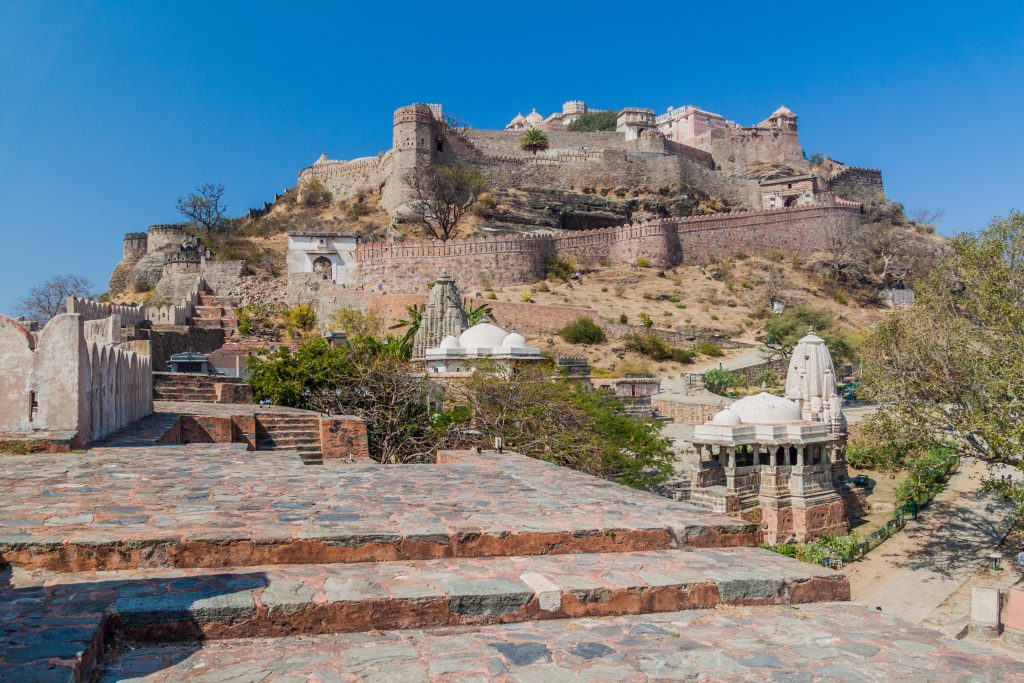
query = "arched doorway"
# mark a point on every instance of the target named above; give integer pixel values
(322, 265)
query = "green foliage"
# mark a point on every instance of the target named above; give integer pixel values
(477, 314)
(719, 380)
(559, 269)
(656, 348)
(356, 323)
(947, 369)
(645, 319)
(815, 552)
(926, 474)
(288, 378)
(643, 262)
(257, 317)
(594, 121)
(142, 286)
(623, 319)
(534, 140)
(314, 194)
(766, 376)
(358, 210)
(411, 323)
(865, 453)
(784, 331)
(527, 296)
(300, 319)
(582, 331)
(563, 423)
(741, 256)
(710, 349)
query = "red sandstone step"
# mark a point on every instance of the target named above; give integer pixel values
(314, 599)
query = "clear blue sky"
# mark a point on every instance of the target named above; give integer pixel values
(110, 110)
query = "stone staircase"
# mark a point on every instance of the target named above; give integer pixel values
(191, 387)
(216, 312)
(300, 433)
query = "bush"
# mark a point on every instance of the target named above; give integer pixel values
(142, 286)
(301, 319)
(314, 194)
(766, 376)
(582, 331)
(357, 210)
(593, 121)
(491, 295)
(710, 349)
(620, 290)
(623, 319)
(356, 323)
(719, 380)
(527, 296)
(645, 319)
(741, 256)
(656, 348)
(643, 262)
(559, 268)
(257, 317)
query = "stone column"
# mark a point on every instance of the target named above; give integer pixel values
(732, 457)
(800, 456)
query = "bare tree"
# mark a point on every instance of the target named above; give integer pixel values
(49, 299)
(926, 216)
(442, 195)
(843, 248)
(204, 206)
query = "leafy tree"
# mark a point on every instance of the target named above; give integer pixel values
(947, 369)
(291, 378)
(582, 331)
(478, 314)
(301, 319)
(315, 195)
(784, 331)
(560, 422)
(50, 299)
(593, 121)
(204, 206)
(356, 323)
(719, 380)
(534, 140)
(412, 321)
(442, 195)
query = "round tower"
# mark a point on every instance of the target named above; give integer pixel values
(165, 237)
(134, 245)
(414, 129)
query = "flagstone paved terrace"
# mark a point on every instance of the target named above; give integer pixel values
(218, 505)
(820, 642)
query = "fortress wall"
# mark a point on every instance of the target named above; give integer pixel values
(797, 230)
(735, 149)
(857, 184)
(90, 309)
(346, 179)
(501, 142)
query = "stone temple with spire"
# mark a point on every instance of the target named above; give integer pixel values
(782, 456)
(443, 316)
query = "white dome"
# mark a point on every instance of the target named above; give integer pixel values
(514, 341)
(450, 342)
(484, 335)
(534, 117)
(765, 408)
(726, 418)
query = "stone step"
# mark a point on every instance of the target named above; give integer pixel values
(214, 323)
(314, 599)
(217, 300)
(214, 312)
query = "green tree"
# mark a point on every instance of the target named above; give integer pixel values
(534, 140)
(291, 378)
(478, 314)
(301, 319)
(719, 380)
(594, 121)
(947, 369)
(411, 322)
(784, 331)
(582, 331)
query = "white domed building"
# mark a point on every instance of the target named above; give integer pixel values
(784, 455)
(482, 344)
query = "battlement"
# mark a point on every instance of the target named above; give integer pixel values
(135, 245)
(417, 113)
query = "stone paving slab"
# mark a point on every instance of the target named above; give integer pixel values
(820, 642)
(217, 505)
(287, 599)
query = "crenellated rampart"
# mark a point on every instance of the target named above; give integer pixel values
(498, 261)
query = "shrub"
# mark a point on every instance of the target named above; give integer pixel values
(620, 290)
(301, 319)
(141, 286)
(604, 289)
(656, 348)
(582, 331)
(527, 296)
(256, 317)
(680, 305)
(766, 376)
(645, 319)
(491, 295)
(643, 262)
(559, 268)
(623, 319)
(356, 323)
(593, 121)
(710, 349)
(714, 317)
(741, 256)
(314, 194)
(542, 286)
(776, 255)
(674, 299)
(357, 210)
(719, 380)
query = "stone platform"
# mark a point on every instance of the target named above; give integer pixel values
(217, 505)
(821, 642)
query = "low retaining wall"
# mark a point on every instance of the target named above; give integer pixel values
(689, 410)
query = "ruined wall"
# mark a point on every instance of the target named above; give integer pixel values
(857, 184)
(62, 382)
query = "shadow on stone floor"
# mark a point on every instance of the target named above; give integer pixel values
(62, 632)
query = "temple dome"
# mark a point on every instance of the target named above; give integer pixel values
(765, 408)
(534, 117)
(450, 342)
(782, 111)
(514, 341)
(726, 418)
(484, 335)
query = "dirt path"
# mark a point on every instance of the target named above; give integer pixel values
(919, 568)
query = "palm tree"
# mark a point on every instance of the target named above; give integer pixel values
(481, 313)
(534, 140)
(412, 321)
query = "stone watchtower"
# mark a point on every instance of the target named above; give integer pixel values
(134, 246)
(442, 316)
(633, 120)
(415, 141)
